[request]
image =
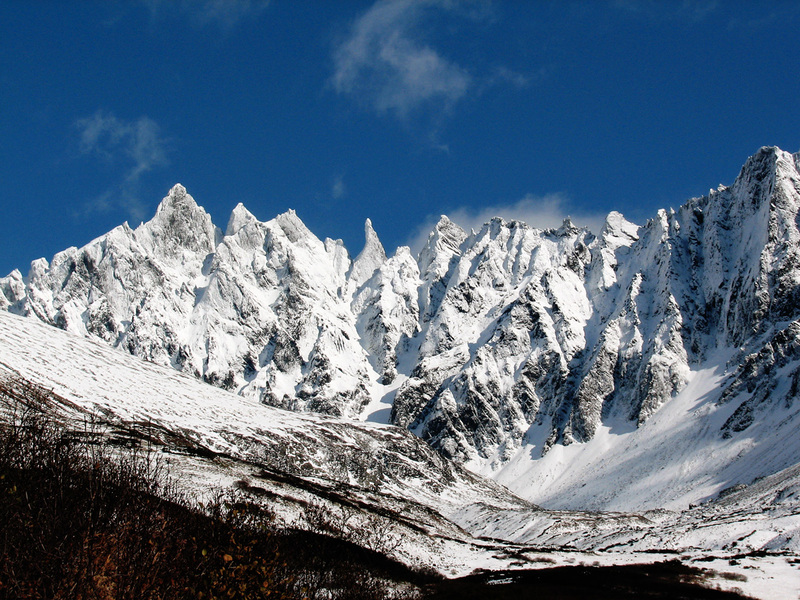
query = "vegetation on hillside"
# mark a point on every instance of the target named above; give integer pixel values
(81, 519)
(85, 519)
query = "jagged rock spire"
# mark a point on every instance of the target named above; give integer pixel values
(179, 226)
(240, 217)
(371, 257)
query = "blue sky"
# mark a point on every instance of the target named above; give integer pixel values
(396, 110)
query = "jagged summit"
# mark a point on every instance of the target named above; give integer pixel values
(179, 227)
(293, 227)
(371, 257)
(177, 200)
(445, 239)
(446, 229)
(492, 345)
(240, 217)
(567, 227)
(616, 222)
(372, 245)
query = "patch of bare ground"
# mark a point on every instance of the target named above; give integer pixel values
(671, 580)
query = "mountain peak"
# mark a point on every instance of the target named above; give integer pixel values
(759, 178)
(443, 223)
(372, 244)
(450, 233)
(567, 227)
(293, 227)
(177, 200)
(762, 163)
(180, 224)
(178, 191)
(371, 257)
(240, 217)
(445, 239)
(618, 227)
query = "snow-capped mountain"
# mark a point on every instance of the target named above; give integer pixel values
(496, 346)
(259, 308)
(565, 330)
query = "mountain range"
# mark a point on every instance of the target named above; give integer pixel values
(489, 344)
(638, 368)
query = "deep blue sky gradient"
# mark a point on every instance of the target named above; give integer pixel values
(564, 108)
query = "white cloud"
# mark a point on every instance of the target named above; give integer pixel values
(136, 146)
(541, 212)
(225, 13)
(338, 189)
(386, 64)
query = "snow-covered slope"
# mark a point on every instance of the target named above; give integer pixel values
(362, 461)
(126, 391)
(394, 492)
(631, 368)
(679, 457)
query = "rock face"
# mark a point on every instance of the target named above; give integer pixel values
(486, 342)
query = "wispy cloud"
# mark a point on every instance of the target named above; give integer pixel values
(137, 147)
(386, 63)
(224, 13)
(786, 13)
(542, 212)
(338, 189)
(503, 74)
